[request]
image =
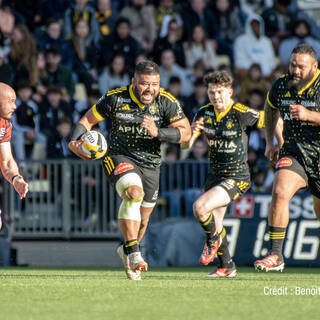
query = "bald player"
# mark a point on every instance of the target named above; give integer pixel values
(9, 167)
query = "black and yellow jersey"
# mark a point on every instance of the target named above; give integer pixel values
(301, 138)
(126, 113)
(227, 138)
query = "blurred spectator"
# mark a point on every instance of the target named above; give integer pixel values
(114, 76)
(52, 37)
(249, 7)
(196, 100)
(142, 21)
(7, 21)
(23, 55)
(119, 42)
(106, 17)
(229, 25)
(196, 12)
(171, 41)
(301, 33)
(42, 79)
(174, 87)
(54, 9)
(199, 48)
(52, 109)
(58, 74)
(198, 71)
(278, 21)
(254, 47)
(81, 9)
(6, 71)
(26, 123)
(254, 80)
(169, 68)
(255, 99)
(82, 106)
(30, 10)
(164, 13)
(84, 54)
(57, 146)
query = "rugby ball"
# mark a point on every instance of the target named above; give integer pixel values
(94, 144)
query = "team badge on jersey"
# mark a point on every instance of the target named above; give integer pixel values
(229, 124)
(153, 109)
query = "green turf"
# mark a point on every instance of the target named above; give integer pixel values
(166, 293)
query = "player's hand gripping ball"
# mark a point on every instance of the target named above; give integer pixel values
(94, 144)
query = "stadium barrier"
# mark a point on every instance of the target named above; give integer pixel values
(72, 199)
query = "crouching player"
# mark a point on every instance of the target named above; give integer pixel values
(142, 116)
(224, 123)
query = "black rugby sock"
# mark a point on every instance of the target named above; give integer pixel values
(224, 253)
(131, 246)
(276, 237)
(209, 228)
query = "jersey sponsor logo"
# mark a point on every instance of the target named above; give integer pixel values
(223, 146)
(288, 116)
(284, 162)
(287, 102)
(229, 133)
(210, 131)
(124, 116)
(228, 184)
(155, 195)
(2, 133)
(133, 129)
(243, 207)
(122, 167)
(308, 103)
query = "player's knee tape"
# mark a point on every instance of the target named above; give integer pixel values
(223, 194)
(129, 208)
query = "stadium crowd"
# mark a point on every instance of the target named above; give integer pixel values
(60, 56)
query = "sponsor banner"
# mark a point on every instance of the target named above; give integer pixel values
(247, 229)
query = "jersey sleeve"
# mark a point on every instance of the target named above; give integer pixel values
(198, 115)
(103, 108)
(5, 133)
(249, 117)
(172, 112)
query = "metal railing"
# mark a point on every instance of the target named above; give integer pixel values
(72, 199)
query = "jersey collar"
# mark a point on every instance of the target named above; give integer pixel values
(220, 115)
(134, 98)
(310, 83)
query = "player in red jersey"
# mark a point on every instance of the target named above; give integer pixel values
(8, 165)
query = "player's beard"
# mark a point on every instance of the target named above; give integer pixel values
(138, 95)
(299, 84)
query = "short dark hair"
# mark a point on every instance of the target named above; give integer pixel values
(54, 51)
(304, 48)
(222, 78)
(53, 89)
(147, 67)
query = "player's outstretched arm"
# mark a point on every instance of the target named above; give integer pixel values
(10, 170)
(85, 124)
(196, 128)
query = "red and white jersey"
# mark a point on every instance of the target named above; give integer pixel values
(5, 130)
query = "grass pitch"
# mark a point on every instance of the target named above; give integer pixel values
(166, 293)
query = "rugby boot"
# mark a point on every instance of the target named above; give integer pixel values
(131, 275)
(223, 272)
(271, 262)
(136, 262)
(210, 251)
